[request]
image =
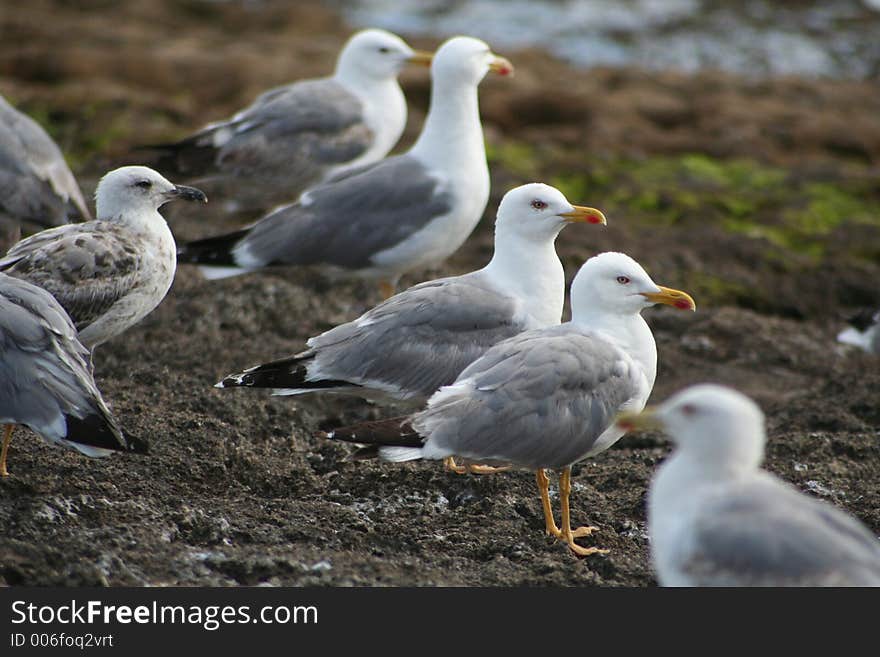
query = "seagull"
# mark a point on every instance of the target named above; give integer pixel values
(863, 331)
(419, 340)
(45, 381)
(715, 518)
(546, 398)
(406, 212)
(36, 186)
(297, 135)
(109, 273)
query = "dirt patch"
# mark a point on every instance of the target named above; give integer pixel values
(238, 491)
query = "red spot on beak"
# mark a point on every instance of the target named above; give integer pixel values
(593, 219)
(683, 305)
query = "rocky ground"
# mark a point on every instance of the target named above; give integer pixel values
(761, 198)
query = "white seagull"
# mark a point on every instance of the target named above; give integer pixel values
(409, 211)
(546, 398)
(295, 136)
(715, 518)
(413, 343)
(45, 380)
(36, 185)
(109, 273)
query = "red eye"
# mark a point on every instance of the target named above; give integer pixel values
(688, 409)
(623, 280)
(538, 204)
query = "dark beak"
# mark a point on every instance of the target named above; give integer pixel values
(188, 193)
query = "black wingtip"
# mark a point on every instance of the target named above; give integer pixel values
(99, 430)
(286, 373)
(211, 250)
(393, 432)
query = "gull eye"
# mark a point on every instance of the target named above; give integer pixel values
(538, 204)
(688, 410)
(144, 184)
(623, 280)
(384, 50)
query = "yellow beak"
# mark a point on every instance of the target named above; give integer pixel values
(501, 66)
(643, 421)
(421, 57)
(670, 297)
(584, 215)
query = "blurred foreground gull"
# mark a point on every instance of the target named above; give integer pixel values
(36, 185)
(716, 519)
(546, 398)
(295, 136)
(45, 382)
(863, 331)
(407, 212)
(109, 273)
(421, 339)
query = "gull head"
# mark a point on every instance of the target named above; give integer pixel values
(614, 283)
(717, 424)
(465, 61)
(136, 188)
(377, 54)
(538, 211)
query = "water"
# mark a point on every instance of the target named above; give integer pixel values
(834, 38)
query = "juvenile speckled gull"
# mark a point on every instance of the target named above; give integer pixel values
(298, 135)
(715, 518)
(406, 212)
(545, 398)
(45, 382)
(36, 184)
(863, 332)
(415, 342)
(109, 273)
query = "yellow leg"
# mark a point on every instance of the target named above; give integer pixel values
(472, 468)
(7, 438)
(386, 288)
(450, 464)
(567, 534)
(544, 488)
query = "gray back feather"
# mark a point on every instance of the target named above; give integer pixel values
(35, 181)
(765, 533)
(290, 137)
(537, 400)
(87, 267)
(44, 373)
(348, 222)
(420, 339)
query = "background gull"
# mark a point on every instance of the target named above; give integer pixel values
(863, 331)
(406, 212)
(421, 339)
(546, 398)
(297, 135)
(36, 185)
(716, 519)
(45, 382)
(109, 273)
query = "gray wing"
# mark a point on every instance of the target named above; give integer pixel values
(35, 181)
(765, 533)
(87, 267)
(418, 340)
(538, 400)
(45, 382)
(302, 129)
(348, 222)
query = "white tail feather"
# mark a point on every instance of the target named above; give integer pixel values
(400, 454)
(213, 273)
